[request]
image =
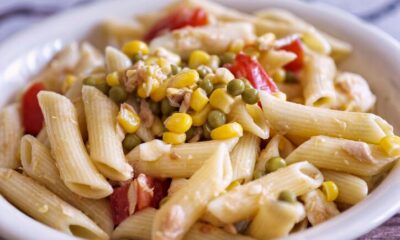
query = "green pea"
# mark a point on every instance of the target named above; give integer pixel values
(250, 96)
(287, 196)
(103, 86)
(98, 82)
(131, 141)
(216, 118)
(235, 87)
(203, 71)
(227, 57)
(258, 173)
(206, 131)
(155, 108)
(166, 108)
(175, 69)
(247, 83)
(290, 77)
(219, 85)
(118, 94)
(274, 164)
(207, 86)
(137, 57)
(91, 81)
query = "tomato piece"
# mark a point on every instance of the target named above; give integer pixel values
(294, 45)
(161, 187)
(144, 191)
(120, 204)
(32, 116)
(249, 68)
(179, 18)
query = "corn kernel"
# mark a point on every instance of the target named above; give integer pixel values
(279, 76)
(112, 79)
(223, 75)
(68, 81)
(391, 145)
(221, 100)
(236, 46)
(160, 92)
(330, 191)
(200, 118)
(178, 122)
(185, 78)
(198, 100)
(174, 138)
(198, 58)
(229, 130)
(135, 47)
(141, 91)
(128, 120)
(233, 185)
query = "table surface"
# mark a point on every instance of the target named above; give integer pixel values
(18, 14)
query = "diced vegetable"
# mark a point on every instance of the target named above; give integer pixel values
(330, 191)
(207, 86)
(250, 96)
(235, 87)
(32, 117)
(118, 94)
(198, 58)
(216, 118)
(144, 191)
(135, 48)
(112, 79)
(199, 118)
(178, 122)
(128, 119)
(391, 145)
(131, 141)
(166, 108)
(199, 99)
(120, 204)
(226, 131)
(221, 100)
(174, 138)
(294, 45)
(249, 68)
(185, 78)
(179, 18)
(161, 187)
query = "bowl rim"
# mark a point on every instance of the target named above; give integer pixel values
(388, 191)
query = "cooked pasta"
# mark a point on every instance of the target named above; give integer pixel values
(195, 122)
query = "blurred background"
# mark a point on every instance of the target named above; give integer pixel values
(16, 15)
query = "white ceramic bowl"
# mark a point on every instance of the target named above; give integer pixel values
(376, 56)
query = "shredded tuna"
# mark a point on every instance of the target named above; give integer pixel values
(359, 150)
(176, 96)
(146, 116)
(186, 102)
(197, 135)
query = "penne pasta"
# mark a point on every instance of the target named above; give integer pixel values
(342, 155)
(106, 149)
(243, 157)
(38, 164)
(11, 131)
(76, 169)
(183, 160)
(41, 204)
(318, 81)
(242, 202)
(306, 121)
(189, 203)
(352, 189)
(272, 60)
(116, 60)
(318, 210)
(117, 31)
(275, 219)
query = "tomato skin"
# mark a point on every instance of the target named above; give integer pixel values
(145, 191)
(249, 68)
(179, 18)
(295, 47)
(119, 204)
(161, 187)
(32, 116)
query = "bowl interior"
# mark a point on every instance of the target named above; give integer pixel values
(375, 56)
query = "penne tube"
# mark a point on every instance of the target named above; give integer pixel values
(342, 155)
(318, 81)
(189, 203)
(11, 131)
(250, 117)
(340, 49)
(44, 206)
(275, 219)
(106, 149)
(116, 60)
(272, 60)
(243, 201)
(318, 210)
(181, 162)
(76, 168)
(244, 156)
(119, 31)
(278, 146)
(138, 226)
(90, 59)
(352, 189)
(305, 121)
(38, 164)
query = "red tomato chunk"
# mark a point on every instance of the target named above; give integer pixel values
(32, 116)
(294, 45)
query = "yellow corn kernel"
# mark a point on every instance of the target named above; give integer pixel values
(236, 46)
(391, 145)
(160, 92)
(279, 76)
(112, 79)
(185, 78)
(221, 100)
(141, 91)
(222, 75)
(178, 122)
(135, 47)
(198, 100)
(198, 58)
(233, 185)
(200, 118)
(68, 81)
(279, 95)
(330, 191)
(128, 120)
(174, 138)
(229, 130)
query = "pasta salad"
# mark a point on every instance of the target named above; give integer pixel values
(196, 122)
